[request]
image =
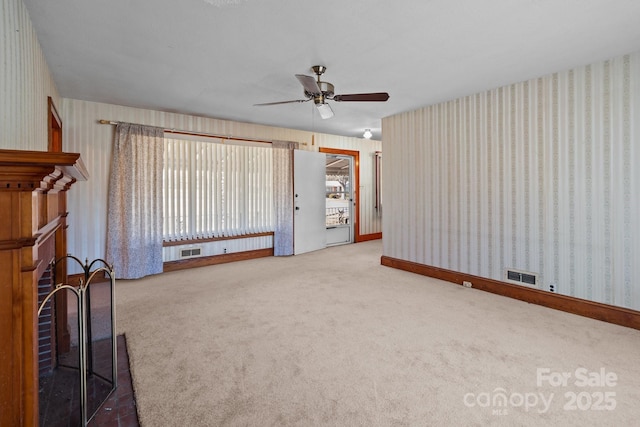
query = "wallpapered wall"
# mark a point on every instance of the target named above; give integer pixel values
(540, 176)
(25, 84)
(88, 201)
(25, 81)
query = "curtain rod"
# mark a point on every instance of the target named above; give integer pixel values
(188, 132)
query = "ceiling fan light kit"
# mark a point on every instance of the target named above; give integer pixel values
(321, 92)
(325, 110)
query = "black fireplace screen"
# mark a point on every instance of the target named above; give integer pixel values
(83, 371)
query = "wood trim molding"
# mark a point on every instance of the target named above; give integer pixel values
(17, 243)
(54, 124)
(595, 310)
(356, 160)
(372, 236)
(22, 170)
(74, 279)
(216, 259)
(214, 239)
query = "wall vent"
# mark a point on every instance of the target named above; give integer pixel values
(191, 252)
(522, 278)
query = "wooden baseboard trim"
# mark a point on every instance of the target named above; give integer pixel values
(595, 310)
(216, 259)
(74, 279)
(367, 237)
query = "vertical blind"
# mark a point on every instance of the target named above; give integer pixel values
(214, 188)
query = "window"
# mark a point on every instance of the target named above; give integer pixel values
(216, 188)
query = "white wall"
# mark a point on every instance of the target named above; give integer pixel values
(25, 82)
(88, 201)
(540, 176)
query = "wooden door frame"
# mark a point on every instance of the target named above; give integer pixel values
(356, 188)
(54, 124)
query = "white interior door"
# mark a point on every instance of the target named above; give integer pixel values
(309, 233)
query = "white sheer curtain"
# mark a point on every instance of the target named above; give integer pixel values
(283, 197)
(134, 233)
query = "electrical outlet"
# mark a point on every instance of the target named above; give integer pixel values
(466, 284)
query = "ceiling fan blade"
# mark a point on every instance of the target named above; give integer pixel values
(309, 83)
(378, 96)
(325, 111)
(281, 102)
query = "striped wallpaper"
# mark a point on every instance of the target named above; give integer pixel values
(540, 176)
(88, 201)
(25, 82)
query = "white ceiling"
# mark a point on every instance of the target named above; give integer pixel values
(217, 58)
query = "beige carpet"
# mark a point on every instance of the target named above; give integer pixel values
(333, 338)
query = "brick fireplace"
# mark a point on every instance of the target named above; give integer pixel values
(33, 223)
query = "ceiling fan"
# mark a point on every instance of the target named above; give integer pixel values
(321, 92)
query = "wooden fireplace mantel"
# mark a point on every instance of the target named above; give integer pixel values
(33, 222)
(31, 170)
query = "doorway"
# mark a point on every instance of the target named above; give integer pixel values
(326, 195)
(339, 199)
(55, 127)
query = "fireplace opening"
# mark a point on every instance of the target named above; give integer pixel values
(46, 326)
